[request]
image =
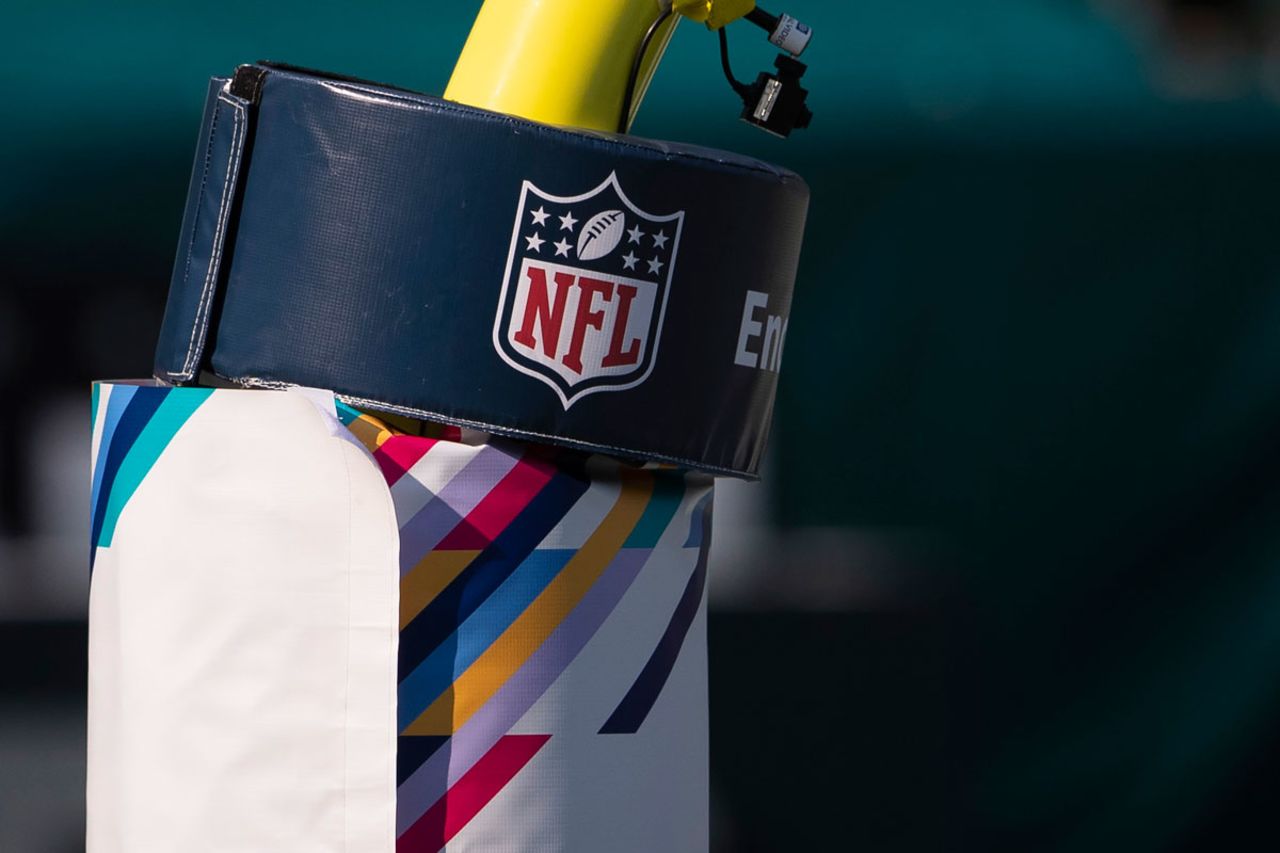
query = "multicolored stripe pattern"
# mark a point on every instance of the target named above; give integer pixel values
(133, 424)
(512, 556)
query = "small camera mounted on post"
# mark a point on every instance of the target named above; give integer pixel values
(775, 102)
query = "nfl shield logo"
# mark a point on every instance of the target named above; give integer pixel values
(585, 290)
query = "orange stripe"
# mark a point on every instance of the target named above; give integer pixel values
(428, 579)
(370, 432)
(485, 677)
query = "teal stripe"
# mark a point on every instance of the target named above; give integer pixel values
(346, 414)
(93, 404)
(118, 397)
(177, 407)
(668, 492)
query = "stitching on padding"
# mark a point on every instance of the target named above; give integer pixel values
(528, 433)
(204, 182)
(518, 432)
(200, 324)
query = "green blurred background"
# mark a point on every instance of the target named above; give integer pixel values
(1013, 581)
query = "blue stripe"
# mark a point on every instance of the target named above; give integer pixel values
(452, 657)
(412, 751)
(636, 705)
(490, 569)
(117, 400)
(700, 523)
(136, 415)
(160, 429)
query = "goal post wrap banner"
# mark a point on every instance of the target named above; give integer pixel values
(428, 259)
(311, 632)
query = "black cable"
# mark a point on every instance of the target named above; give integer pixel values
(624, 122)
(763, 19)
(740, 88)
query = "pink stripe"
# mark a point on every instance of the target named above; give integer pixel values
(443, 512)
(500, 507)
(488, 725)
(440, 823)
(399, 453)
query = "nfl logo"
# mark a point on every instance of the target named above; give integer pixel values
(585, 290)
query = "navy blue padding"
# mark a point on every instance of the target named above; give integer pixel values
(366, 246)
(210, 198)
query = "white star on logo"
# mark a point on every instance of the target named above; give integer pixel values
(567, 222)
(660, 240)
(629, 261)
(655, 266)
(562, 247)
(535, 243)
(539, 216)
(634, 234)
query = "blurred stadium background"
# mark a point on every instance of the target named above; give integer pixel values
(1012, 581)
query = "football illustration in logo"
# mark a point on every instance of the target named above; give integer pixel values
(585, 289)
(601, 235)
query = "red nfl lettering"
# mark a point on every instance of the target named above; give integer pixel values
(587, 316)
(616, 355)
(538, 310)
(541, 316)
(586, 290)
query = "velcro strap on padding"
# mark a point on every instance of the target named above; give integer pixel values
(429, 259)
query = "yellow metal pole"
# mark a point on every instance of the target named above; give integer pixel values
(562, 62)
